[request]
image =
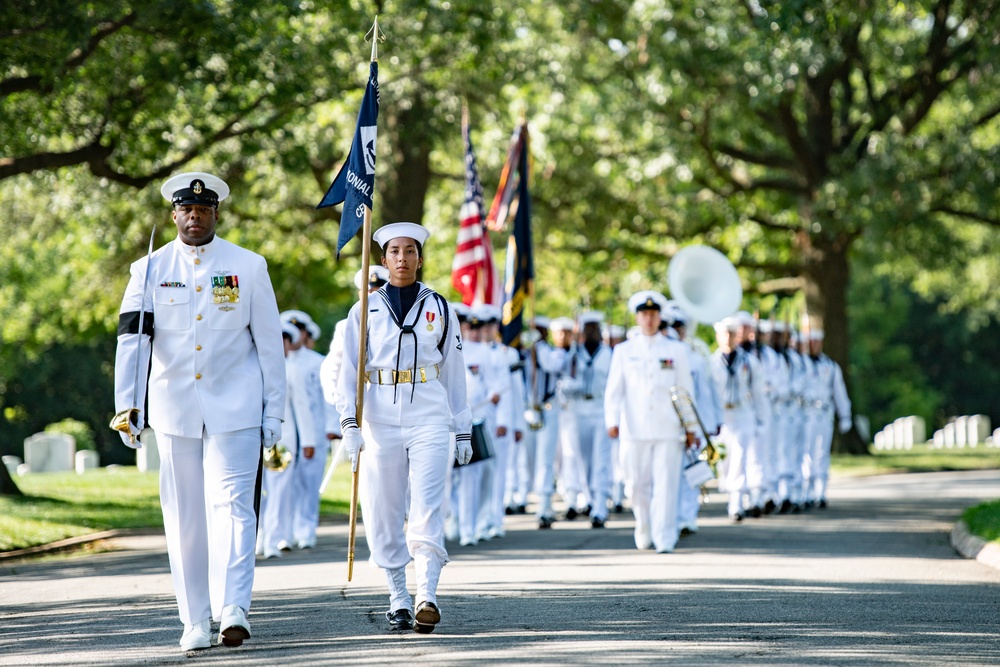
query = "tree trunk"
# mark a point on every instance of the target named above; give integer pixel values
(827, 275)
(405, 186)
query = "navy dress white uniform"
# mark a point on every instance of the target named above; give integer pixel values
(414, 395)
(824, 394)
(216, 388)
(586, 447)
(637, 409)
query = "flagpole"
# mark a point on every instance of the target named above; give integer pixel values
(366, 235)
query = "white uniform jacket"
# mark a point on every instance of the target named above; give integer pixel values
(581, 388)
(217, 358)
(824, 388)
(442, 399)
(637, 396)
(740, 385)
(305, 367)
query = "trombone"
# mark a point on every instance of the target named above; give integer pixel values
(277, 458)
(684, 405)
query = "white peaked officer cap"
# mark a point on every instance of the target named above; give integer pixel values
(561, 324)
(314, 331)
(744, 319)
(194, 187)
(816, 334)
(780, 326)
(296, 317)
(462, 312)
(615, 331)
(647, 300)
(591, 317)
(376, 274)
(486, 313)
(542, 322)
(395, 230)
(726, 324)
(290, 330)
(765, 326)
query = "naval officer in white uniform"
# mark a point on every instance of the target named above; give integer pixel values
(637, 409)
(414, 395)
(216, 392)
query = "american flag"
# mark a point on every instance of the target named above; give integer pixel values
(473, 273)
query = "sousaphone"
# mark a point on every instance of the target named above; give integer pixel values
(704, 283)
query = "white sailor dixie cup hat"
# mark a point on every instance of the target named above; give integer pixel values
(591, 317)
(647, 300)
(194, 187)
(377, 276)
(395, 230)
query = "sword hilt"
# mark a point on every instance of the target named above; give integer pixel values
(124, 420)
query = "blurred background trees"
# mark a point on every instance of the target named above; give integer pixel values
(841, 154)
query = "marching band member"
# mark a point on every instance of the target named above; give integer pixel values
(216, 387)
(586, 447)
(739, 382)
(415, 394)
(706, 401)
(643, 371)
(824, 393)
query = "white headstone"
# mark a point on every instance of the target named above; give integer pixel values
(12, 462)
(917, 427)
(949, 435)
(961, 431)
(979, 429)
(86, 459)
(880, 440)
(889, 437)
(996, 438)
(939, 439)
(899, 434)
(49, 452)
(147, 459)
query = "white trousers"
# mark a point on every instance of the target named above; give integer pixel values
(652, 482)
(206, 493)
(737, 429)
(546, 446)
(278, 507)
(403, 463)
(502, 448)
(816, 462)
(586, 461)
(308, 479)
(688, 503)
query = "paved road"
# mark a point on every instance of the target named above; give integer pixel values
(872, 580)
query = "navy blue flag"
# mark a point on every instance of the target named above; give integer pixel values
(355, 183)
(520, 267)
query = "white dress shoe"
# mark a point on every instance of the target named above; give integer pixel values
(234, 627)
(197, 636)
(284, 545)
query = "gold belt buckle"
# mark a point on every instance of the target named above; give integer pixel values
(423, 375)
(404, 376)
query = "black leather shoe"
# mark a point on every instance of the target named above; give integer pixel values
(618, 509)
(822, 504)
(686, 531)
(571, 514)
(587, 510)
(521, 509)
(399, 620)
(769, 507)
(736, 518)
(545, 522)
(428, 615)
(509, 511)
(786, 506)
(754, 512)
(597, 522)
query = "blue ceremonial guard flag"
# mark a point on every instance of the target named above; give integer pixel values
(520, 269)
(355, 183)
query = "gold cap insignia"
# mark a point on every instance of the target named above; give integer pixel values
(197, 186)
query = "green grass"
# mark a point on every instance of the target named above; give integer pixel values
(984, 520)
(922, 458)
(56, 506)
(61, 505)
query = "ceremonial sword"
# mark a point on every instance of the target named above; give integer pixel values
(121, 421)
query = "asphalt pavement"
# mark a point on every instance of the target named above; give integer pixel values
(871, 580)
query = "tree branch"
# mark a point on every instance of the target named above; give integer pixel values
(968, 215)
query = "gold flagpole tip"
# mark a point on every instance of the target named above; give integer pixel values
(375, 36)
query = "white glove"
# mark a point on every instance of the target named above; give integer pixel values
(135, 430)
(463, 451)
(845, 425)
(270, 431)
(529, 337)
(354, 444)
